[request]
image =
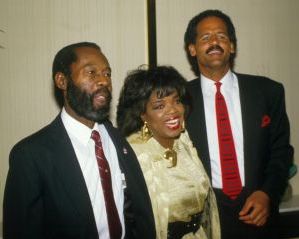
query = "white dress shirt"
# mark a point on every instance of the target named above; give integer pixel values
(84, 147)
(230, 91)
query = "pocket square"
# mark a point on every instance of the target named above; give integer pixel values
(266, 120)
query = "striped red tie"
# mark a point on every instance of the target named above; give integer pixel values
(115, 229)
(231, 182)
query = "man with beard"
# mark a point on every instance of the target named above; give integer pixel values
(239, 125)
(77, 177)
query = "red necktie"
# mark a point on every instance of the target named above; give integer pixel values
(231, 181)
(115, 229)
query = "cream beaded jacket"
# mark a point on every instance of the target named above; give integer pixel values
(180, 191)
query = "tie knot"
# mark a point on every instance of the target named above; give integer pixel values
(95, 136)
(218, 85)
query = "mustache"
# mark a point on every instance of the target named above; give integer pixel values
(215, 47)
(103, 91)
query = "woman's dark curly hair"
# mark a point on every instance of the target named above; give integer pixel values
(137, 89)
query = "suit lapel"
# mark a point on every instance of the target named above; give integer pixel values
(69, 171)
(120, 150)
(251, 116)
(196, 124)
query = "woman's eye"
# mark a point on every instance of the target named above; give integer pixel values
(158, 107)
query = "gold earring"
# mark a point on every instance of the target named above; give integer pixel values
(145, 132)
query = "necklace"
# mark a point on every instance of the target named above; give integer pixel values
(171, 156)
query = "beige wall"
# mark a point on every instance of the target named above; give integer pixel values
(36, 29)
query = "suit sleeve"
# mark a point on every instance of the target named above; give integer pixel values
(280, 150)
(23, 206)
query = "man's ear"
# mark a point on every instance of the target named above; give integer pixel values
(232, 48)
(192, 50)
(60, 81)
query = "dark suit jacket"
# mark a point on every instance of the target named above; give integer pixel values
(46, 195)
(267, 152)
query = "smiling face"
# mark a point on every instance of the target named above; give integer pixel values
(165, 117)
(212, 47)
(88, 91)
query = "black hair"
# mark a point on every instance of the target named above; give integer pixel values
(137, 89)
(62, 63)
(191, 34)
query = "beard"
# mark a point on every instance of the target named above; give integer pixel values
(82, 102)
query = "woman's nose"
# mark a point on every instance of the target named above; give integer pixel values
(171, 109)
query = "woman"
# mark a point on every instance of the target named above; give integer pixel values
(151, 111)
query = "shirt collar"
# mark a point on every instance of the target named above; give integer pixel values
(208, 85)
(75, 128)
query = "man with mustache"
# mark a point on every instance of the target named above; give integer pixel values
(77, 177)
(239, 125)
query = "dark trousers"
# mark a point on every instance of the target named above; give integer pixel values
(233, 228)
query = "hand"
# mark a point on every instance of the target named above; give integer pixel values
(256, 209)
